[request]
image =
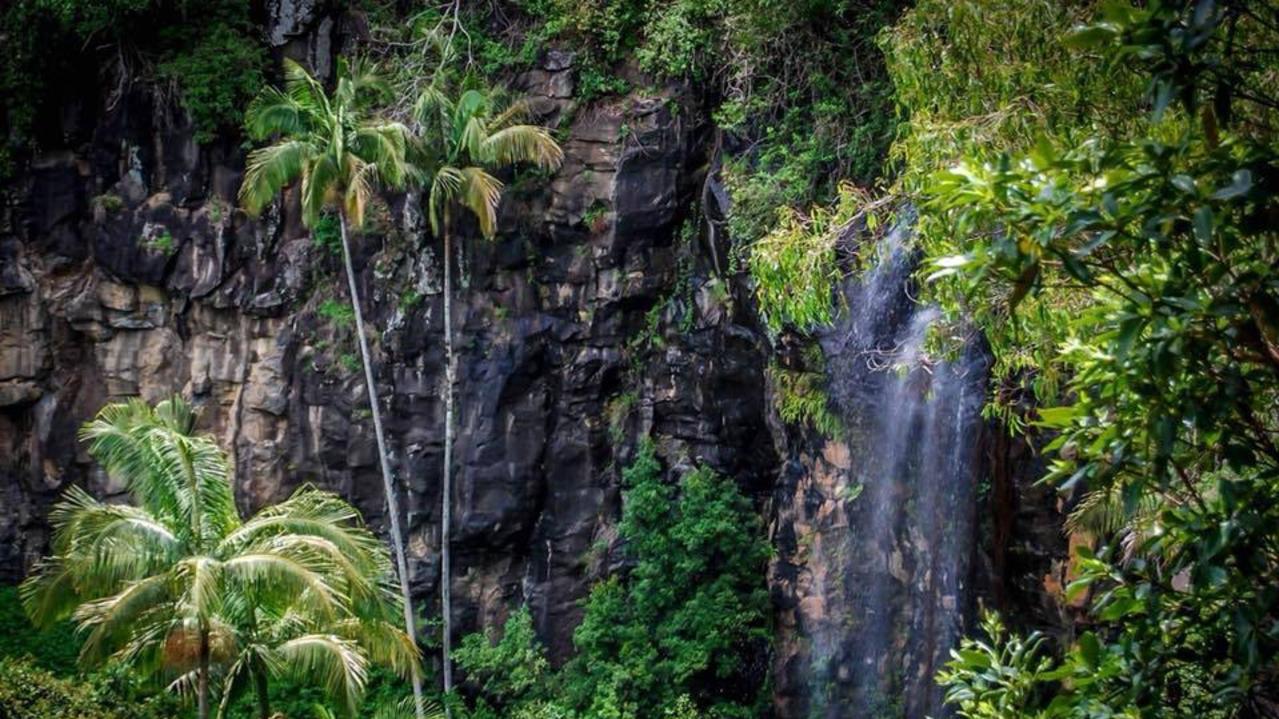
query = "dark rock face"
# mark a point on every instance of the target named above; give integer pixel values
(128, 271)
(592, 320)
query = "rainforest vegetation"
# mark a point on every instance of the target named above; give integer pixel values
(1092, 189)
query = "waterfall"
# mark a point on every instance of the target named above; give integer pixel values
(913, 423)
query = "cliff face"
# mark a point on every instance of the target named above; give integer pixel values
(592, 319)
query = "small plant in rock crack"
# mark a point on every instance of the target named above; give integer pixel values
(327, 236)
(596, 217)
(108, 203)
(351, 363)
(339, 312)
(161, 243)
(410, 298)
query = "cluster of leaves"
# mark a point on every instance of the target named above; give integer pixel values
(683, 631)
(209, 52)
(216, 73)
(1172, 361)
(795, 266)
(29, 691)
(802, 400)
(957, 104)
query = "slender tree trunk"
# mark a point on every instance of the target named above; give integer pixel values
(202, 690)
(446, 502)
(392, 504)
(264, 700)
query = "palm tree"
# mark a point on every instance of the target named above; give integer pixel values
(339, 157)
(464, 140)
(274, 640)
(166, 585)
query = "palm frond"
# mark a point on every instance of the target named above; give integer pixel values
(481, 193)
(320, 179)
(522, 143)
(235, 681)
(202, 579)
(361, 180)
(444, 189)
(329, 661)
(384, 145)
(49, 595)
(272, 113)
(360, 84)
(304, 89)
(286, 578)
(512, 114)
(470, 142)
(433, 112)
(119, 438)
(311, 512)
(472, 103)
(271, 169)
(109, 621)
(385, 644)
(203, 474)
(406, 709)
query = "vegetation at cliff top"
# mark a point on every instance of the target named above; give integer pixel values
(208, 56)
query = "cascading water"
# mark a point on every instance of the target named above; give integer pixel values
(913, 424)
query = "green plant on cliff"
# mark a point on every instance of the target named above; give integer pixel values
(691, 613)
(679, 633)
(216, 74)
(1171, 357)
(338, 154)
(178, 587)
(462, 140)
(207, 55)
(801, 399)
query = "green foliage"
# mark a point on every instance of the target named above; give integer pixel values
(108, 203)
(209, 52)
(680, 633)
(958, 105)
(411, 298)
(327, 235)
(161, 243)
(28, 691)
(54, 649)
(179, 586)
(462, 140)
(801, 400)
(692, 611)
(328, 138)
(216, 76)
(510, 671)
(350, 362)
(339, 312)
(795, 268)
(1171, 355)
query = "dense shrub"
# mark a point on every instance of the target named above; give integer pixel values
(683, 631)
(216, 75)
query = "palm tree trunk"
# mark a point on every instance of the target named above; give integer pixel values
(446, 510)
(392, 504)
(264, 700)
(202, 690)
